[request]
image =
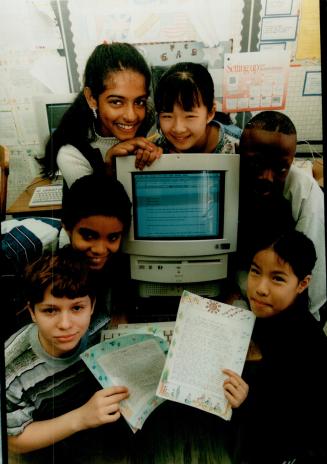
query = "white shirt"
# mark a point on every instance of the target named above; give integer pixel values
(307, 201)
(73, 164)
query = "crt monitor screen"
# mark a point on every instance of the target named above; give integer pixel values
(178, 205)
(49, 109)
(184, 204)
(55, 112)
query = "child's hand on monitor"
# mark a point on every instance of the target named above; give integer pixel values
(236, 390)
(102, 408)
(145, 157)
(146, 151)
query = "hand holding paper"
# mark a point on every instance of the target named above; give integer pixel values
(202, 368)
(209, 336)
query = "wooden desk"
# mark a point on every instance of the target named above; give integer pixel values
(20, 206)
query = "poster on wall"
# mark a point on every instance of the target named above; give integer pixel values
(308, 40)
(255, 81)
(161, 56)
(145, 22)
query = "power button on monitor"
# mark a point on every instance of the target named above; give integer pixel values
(225, 246)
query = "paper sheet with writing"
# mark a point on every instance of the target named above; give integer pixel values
(208, 337)
(135, 361)
(160, 329)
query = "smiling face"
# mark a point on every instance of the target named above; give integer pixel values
(266, 158)
(97, 237)
(121, 108)
(186, 130)
(61, 322)
(272, 285)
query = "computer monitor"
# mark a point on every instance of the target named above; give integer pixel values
(49, 110)
(184, 220)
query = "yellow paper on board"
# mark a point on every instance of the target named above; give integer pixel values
(308, 40)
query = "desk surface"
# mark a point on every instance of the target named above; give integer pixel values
(20, 206)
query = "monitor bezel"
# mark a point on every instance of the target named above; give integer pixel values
(40, 103)
(187, 162)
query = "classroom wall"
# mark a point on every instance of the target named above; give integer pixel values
(44, 46)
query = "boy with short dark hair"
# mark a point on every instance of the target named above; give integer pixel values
(49, 390)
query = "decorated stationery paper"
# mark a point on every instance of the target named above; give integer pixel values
(135, 361)
(208, 337)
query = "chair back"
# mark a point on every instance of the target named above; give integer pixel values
(4, 173)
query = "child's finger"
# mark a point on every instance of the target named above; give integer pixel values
(144, 144)
(234, 378)
(109, 391)
(112, 408)
(139, 163)
(139, 153)
(143, 158)
(235, 402)
(235, 389)
(112, 417)
(236, 386)
(235, 395)
(157, 152)
(230, 373)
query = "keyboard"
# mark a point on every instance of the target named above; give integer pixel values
(46, 195)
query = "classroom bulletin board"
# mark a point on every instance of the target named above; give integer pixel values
(44, 45)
